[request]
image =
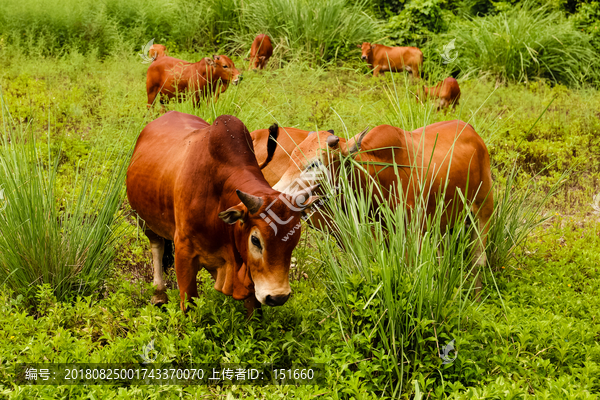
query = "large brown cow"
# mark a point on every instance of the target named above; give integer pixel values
(447, 91)
(287, 140)
(452, 148)
(260, 52)
(395, 59)
(157, 50)
(200, 186)
(171, 77)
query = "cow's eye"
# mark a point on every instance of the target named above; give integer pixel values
(256, 242)
(225, 66)
(314, 164)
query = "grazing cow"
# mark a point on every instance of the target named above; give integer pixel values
(200, 186)
(157, 50)
(447, 91)
(395, 59)
(170, 77)
(287, 140)
(452, 149)
(260, 52)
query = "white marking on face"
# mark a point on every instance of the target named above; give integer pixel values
(263, 283)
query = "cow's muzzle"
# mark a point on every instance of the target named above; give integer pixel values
(238, 80)
(363, 57)
(277, 300)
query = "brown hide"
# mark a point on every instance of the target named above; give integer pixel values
(260, 52)
(447, 91)
(446, 152)
(157, 50)
(395, 59)
(287, 141)
(183, 182)
(170, 77)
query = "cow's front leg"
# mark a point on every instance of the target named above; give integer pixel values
(186, 269)
(251, 304)
(157, 245)
(376, 71)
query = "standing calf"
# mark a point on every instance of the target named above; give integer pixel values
(447, 91)
(260, 52)
(395, 59)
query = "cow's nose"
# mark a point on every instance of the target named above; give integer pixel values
(363, 57)
(277, 300)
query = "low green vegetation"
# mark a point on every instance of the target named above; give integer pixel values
(377, 316)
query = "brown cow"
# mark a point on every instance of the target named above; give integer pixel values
(260, 52)
(395, 59)
(447, 91)
(171, 77)
(452, 148)
(157, 50)
(201, 186)
(287, 140)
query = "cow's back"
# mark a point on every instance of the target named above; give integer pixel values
(158, 156)
(397, 56)
(430, 154)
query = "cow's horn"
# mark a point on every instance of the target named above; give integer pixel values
(332, 141)
(253, 203)
(357, 141)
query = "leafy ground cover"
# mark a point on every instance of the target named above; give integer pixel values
(535, 337)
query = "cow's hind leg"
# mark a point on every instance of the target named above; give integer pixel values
(483, 215)
(157, 245)
(186, 269)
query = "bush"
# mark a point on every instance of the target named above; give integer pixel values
(526, 43)
(419, 19)
(66, 243)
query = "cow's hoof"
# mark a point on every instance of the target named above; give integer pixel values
(160, 298)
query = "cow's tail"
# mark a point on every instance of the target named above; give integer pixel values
(168, 259)
(271, 144)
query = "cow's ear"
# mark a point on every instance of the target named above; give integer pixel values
(233, 214)
(209, 61)
(373, 46)
(216, 57)
(359, 46)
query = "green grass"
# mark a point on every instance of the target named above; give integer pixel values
(525, 43)
(532, 337)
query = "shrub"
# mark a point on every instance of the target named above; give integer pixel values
(526, 43)
(67, 243)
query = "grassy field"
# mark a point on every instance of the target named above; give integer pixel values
(535, 335)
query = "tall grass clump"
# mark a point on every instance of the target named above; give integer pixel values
(527, 42)
(66, 243)
(318, 28)
(402, 281)
(518, 211)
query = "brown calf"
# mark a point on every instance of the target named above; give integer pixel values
(395, 59)
(260, 52)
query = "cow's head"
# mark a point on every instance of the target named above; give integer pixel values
(231, 73)
(313, 156)
(267, 231)
(367, 50)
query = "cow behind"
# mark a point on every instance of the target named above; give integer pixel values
(287, 140)
(453, 147)
(447, 91)
(395, 59)
(171, 78)
(200, 186)
(260, 52)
